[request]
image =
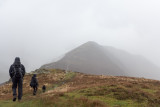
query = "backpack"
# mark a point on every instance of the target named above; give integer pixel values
(33, 82)
(18, 72)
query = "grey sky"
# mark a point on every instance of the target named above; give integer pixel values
(40, 30)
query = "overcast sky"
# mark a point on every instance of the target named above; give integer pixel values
(38, 31)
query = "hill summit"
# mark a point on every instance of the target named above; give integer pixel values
(92, 58)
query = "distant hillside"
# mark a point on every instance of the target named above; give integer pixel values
(4, 77)
(4, 74)
(92, 58)
(73, 89)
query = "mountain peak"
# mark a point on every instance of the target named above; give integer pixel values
(91, 43)
(92, 58)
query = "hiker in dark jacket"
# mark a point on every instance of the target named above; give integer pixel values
(17, 72)
(34, 84)
(44, 88)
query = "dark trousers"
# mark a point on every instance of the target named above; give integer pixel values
(19, 82)
(34, 90)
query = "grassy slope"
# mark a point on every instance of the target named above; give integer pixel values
(79, 90)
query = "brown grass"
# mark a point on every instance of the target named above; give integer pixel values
(123, 88)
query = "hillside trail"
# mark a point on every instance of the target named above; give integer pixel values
(53, 79)
(58, 85)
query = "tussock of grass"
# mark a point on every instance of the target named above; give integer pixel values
(121, 93)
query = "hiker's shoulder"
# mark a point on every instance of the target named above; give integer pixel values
(12, 65)
(22, 65)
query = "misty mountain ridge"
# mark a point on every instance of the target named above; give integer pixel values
(92, 58)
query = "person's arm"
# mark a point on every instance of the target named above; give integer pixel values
(11, 71)
(24, 71)
(36, 81)
(31, 82)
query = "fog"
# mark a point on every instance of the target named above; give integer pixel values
(38, 31)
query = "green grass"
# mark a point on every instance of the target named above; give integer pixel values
(34, 103)
(89, 97)
(107, 100)
(69, 75)
(118, 94)
(151, 91)
(67, 78)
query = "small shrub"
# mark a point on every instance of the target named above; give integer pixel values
(145, 86)
(97, 103)
(60, 94)
(128, 85)
(90, 103)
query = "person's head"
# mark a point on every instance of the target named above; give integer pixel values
(34, 75)
(17, 61)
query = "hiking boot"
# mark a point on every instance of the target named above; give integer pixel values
(34, 93)
(14, 98)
